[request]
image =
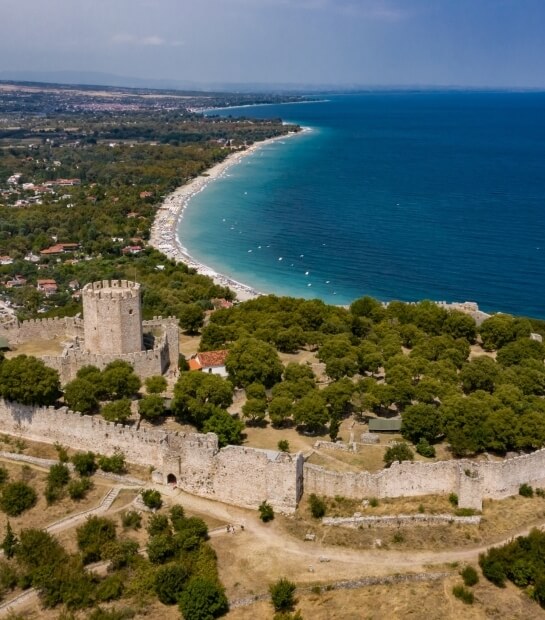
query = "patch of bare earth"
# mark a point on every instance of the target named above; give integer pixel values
(38, 348)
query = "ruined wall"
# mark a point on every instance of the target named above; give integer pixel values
(42, 329)
(112, 317)
(171, 331)
(235, 475)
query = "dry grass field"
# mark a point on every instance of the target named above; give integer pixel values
(37, 348)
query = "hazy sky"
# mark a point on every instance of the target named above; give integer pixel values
(435, 42)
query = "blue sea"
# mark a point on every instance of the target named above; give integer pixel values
(398, 195)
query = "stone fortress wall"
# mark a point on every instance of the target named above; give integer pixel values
(235, 474)
(246, 476)
(112, 329)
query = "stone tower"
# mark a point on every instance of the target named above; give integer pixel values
(112, 317)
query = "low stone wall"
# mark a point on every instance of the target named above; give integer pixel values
(399, 520)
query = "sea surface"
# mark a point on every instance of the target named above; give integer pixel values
(398, 195)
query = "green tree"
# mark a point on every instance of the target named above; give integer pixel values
(191, 318)
(151, 407)
(117, 411)
(197, 394)
(93, 535)
(479, 374)
(317, 506)
(115, 463)
(253, 361)
(227, 428)
(152, 499)
(119, 380)
(282, 595)
(280, 410)
(460, 325)
(84, 463)
(80, 395)
(514, 353)
(500, 329)
(311, 412)
(28, 381)
(203, 599)
(398, 452)
(9, 542)
(254, 410)
(421, 421)
(16, 497)
(156, 384)
(161, 548)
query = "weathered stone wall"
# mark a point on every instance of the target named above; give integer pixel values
(112, 317)
(236, 475)
(399, 520)
(169, 327)
(42, 329)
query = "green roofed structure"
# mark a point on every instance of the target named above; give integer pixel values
(384, 425)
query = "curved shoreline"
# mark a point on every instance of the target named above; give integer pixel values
(164, 231)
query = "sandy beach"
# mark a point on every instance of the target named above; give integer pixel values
(164, 232)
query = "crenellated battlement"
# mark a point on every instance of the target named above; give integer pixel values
(112, 289)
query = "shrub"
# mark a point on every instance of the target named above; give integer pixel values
(284, 445)
(152, 499)
(120, 553)
(282, 595)
(59, 475)
(161, 548)
(4, 475)
(110, 588)
(93, 535)
(266, 512)
(203, 599)
(131, 520)
(158, 524)
(114, 464)
(77, 489)
(398, 452)
(463, 594)
(453, 499)
(470, 576)
(169, 582)
(425, 449)
(84, 463)
(9, 543)
(398, 537)
(317, 506)
(373, 502)
(62, 453)
(526, 490)
(16, 497)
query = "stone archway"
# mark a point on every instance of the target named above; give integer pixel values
(171, 479)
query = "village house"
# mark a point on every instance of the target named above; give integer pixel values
(212, 362)
(48, 287)
(60, 248)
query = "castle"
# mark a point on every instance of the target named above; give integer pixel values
(111, 329)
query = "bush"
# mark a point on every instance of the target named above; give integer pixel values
(425, 449)
(152, 499)
(526, 490)
(131, 520)
(453, 499)
(59, 475)
(114, 464)
(398, 537)
(161, 548)
(169, 582)
(317, 506)
(16, 497)
(110, 588)
(373, 502)
(77, 489)
(282, 595)
(470, 576)
(93, 535)
(463, 594)
(284, 445)
(9, 543)
(203, 599)
(177, 517)
(120, 553)
(158, 524)
(398, 452)
(266, 512)
(62, 453)
(84, 463)
(4, 475)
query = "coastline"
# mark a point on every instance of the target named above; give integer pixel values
(164, 231)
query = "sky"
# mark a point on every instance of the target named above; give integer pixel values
(488, 43)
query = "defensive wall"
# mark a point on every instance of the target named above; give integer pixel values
(192, 461)
(146, 363)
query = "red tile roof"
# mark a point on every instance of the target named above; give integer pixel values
(194, 365)
(212, 358)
